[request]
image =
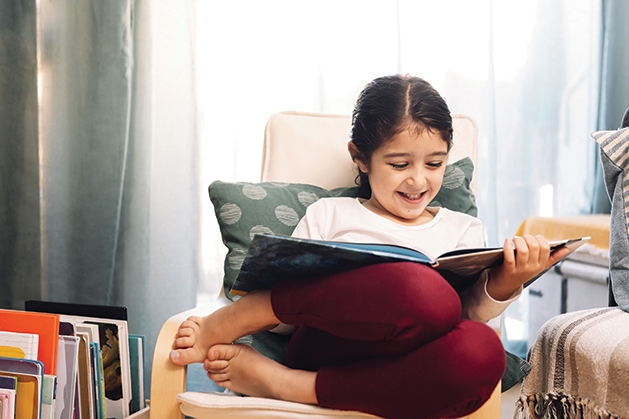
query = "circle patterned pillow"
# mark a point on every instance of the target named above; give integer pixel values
(245, 209)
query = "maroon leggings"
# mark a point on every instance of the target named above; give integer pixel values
(388, 339)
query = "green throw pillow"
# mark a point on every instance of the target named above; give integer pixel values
(456, 191)
(244, 209)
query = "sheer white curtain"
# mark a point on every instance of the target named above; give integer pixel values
(119, 157)
(525, 70)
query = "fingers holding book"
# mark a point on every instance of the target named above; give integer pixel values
(525, 258)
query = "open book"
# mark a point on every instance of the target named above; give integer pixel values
(274, 258)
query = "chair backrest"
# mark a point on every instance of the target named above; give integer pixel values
(311, 148)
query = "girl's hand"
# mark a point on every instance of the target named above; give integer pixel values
(524, 259)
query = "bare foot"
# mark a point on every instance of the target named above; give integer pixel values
(250, 314)
(242, 369)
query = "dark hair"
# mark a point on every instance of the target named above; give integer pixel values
(386, 107)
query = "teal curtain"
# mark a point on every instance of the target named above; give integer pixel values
(613, 85)
(20, 210)
(99, 185)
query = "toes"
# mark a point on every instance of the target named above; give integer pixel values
(223, 352)
(219, 357)
(219, 378)
(216, 365)
(183, 342)
(185, 356)
(186, 335)
(187, 328)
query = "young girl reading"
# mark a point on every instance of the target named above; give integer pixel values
(404, 344)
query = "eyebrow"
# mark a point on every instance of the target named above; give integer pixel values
(434, 154)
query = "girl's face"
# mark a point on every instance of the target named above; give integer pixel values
(405, 175)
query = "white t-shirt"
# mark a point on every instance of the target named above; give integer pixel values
(347, 220)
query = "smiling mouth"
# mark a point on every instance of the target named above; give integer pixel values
(412, 197)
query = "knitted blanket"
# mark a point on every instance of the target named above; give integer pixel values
(580, 367)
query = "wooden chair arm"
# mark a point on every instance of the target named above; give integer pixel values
(168, 379)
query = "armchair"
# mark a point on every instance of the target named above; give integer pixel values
(303, 148)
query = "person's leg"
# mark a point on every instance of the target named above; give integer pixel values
(380, 310)
(396, 306)
(449, 377)
(250, 314)
(242, 369)
(391, 307)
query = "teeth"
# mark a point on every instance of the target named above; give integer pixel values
(412, 197)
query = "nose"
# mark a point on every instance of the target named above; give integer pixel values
(416, 178)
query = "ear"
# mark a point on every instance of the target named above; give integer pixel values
(357, 157)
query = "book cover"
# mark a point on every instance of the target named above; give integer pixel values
(30, 376)
(100, 409)
(49, 393)
(7, 397)
(66, 377)
(117, 396)
(65, 328)
(9, 383)
(76, 309)
(27, 396)
(18, 345)
(85, 381)
(45, 325)
(274, 258)
(91, 330)
(136, 354)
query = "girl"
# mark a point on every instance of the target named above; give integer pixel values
(393, 339)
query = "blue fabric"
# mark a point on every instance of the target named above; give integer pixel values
(614, 84)
(615, 160)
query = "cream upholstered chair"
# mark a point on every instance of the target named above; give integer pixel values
(298, 148)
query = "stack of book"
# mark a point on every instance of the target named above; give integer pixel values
(69, 361)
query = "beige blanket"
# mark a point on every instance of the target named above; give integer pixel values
(580, 367)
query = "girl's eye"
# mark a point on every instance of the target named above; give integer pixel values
(398, 165)
(435, 165)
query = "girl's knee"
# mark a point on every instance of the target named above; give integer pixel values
(422, 293)
(419, 302)
(482, 361)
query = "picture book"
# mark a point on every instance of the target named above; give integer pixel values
(30, 377)
(9, 383)
(7, 403)
(89, 335)
(8, 388)
(85, 381)
(136, 354)
(76, 309)
(274, 258)
(43, 324)
(99, 382)
(49, 394)
(66, 328)
(18, 345)
(66, 376)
